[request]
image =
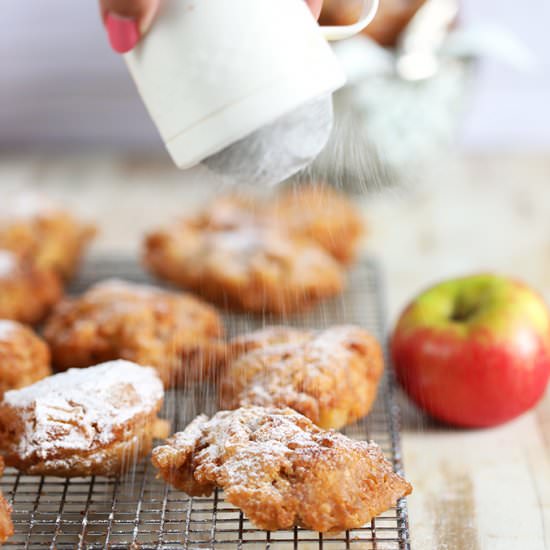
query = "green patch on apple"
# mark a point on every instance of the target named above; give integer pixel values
(470, 306)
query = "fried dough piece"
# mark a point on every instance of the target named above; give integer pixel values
(324, 215)
(27, 293)
(248, 267)
(281, 469)
(82, 422)
(176, 333)
(6, 525)
(40, 230)
(24, 357)
(331, 376)
(261, 255)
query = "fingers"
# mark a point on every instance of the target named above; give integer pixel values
(126, 21)
(315, 6)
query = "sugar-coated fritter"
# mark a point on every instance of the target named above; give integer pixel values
(176, 333)
(281, 469)
(243, 265)
(331, 376)
(95, 421)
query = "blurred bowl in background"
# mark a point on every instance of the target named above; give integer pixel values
(402, 105)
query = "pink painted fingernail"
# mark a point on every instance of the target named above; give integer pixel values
(123, 32)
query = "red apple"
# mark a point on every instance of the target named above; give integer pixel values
(474, 351)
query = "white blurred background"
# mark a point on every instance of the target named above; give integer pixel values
(62, 88)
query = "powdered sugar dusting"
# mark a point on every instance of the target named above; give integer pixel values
(335, 341)
(250, 443)
(250, 239)
(79, 409)
(8, 263)
(7, 328)
(239, 239)
(288, 350)
(125, 287)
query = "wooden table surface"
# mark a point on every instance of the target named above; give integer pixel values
(477, 489)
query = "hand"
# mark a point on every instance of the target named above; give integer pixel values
(127, 21)
(315, 6)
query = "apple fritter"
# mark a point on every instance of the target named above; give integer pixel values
(82, 422)
(27, 293)
(331, 376)
(245, 266)
(281, 470)
(41, 230)
(176, 333)
(24, 357)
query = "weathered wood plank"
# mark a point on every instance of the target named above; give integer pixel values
(487, 489)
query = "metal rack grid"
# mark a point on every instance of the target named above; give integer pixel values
(141, 512)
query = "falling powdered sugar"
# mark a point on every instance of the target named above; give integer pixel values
(278, 150)
(8, 263)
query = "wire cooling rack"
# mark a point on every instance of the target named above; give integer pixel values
(139, 512)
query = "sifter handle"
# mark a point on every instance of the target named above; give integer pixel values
(339, 32)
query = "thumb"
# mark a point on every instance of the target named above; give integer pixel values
(126, 21)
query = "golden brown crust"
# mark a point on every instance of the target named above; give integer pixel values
(321, 213)
(94, 421)
(24, 357)
(331, 376)
(281, 469)
(6, 524)
(27, 293)
(176, 333)
(45, 233)
(243, 265)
